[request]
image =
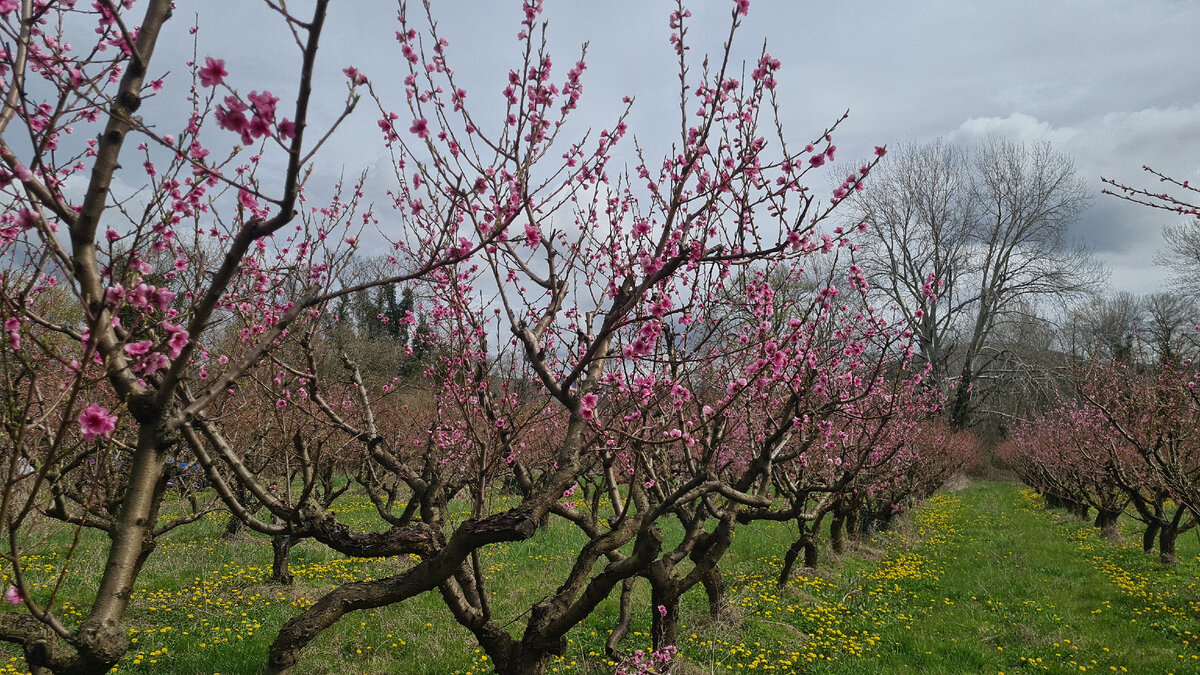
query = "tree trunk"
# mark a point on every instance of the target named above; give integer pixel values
(810, 552)
(624, 621)
(233, 527)
(853, 522)
(714, 587)
(789, 561)
(664, 625)
(101, 639)
(522, 662)
(807, 544)
(1080, 510)
(1166, 545)
(236, 525)
(1148, 538)
(837, 532)
(960, 408)
(281, 547)
(1107, 522)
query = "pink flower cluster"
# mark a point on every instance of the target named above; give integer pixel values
(254, 119)
(587, 406)
(96, 422)
(645, 663)
(213, 73)
(143, 296)
(12, 326)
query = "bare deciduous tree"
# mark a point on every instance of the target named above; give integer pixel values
(1106, 326)
(1169, 324)
(970, 239)
(922, 215)
(1182, 253)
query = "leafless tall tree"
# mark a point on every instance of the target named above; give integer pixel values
(922, 216)
(1109, 327)
(1181, 254)
(1169, 324)
(966, 239)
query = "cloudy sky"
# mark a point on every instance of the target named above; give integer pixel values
(1114, 84)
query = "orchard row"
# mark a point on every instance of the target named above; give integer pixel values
(1127, 445)
(606, 339)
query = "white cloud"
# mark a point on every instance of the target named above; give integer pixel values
(1017, 126)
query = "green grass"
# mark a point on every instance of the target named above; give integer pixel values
(980, 581)
(1013, 588)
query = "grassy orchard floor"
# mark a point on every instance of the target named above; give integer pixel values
(983, 580)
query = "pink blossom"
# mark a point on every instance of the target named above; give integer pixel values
(662, 610)
(95, 421)
(154, 363)
(139, 348)
(533, 236)
(12, 326)
(114, 295)
(232, 120)
(198, 152)
(161, 298)
(420, 128)
(177, 341)
(27, 219)
(264, 103)
(12, 594)
(287, 129)
(259, 126)
(140, 296)
(213, 72)
(247, 200)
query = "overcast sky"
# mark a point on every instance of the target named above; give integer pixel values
(1114, 84)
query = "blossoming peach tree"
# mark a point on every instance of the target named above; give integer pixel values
(585, 353)
(1127, 441)
(1126, 444)
(128, 319)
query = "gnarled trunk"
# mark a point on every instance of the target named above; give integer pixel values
(1148, 538)
(810, 552)
(1166, 545)
(624, 621)
(664, 624)
(281, 547)
(837, 532)
(522, 662)
(1080, 510)
(789, 561)
(1107, 521)
(714, 587)
(853, 522)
